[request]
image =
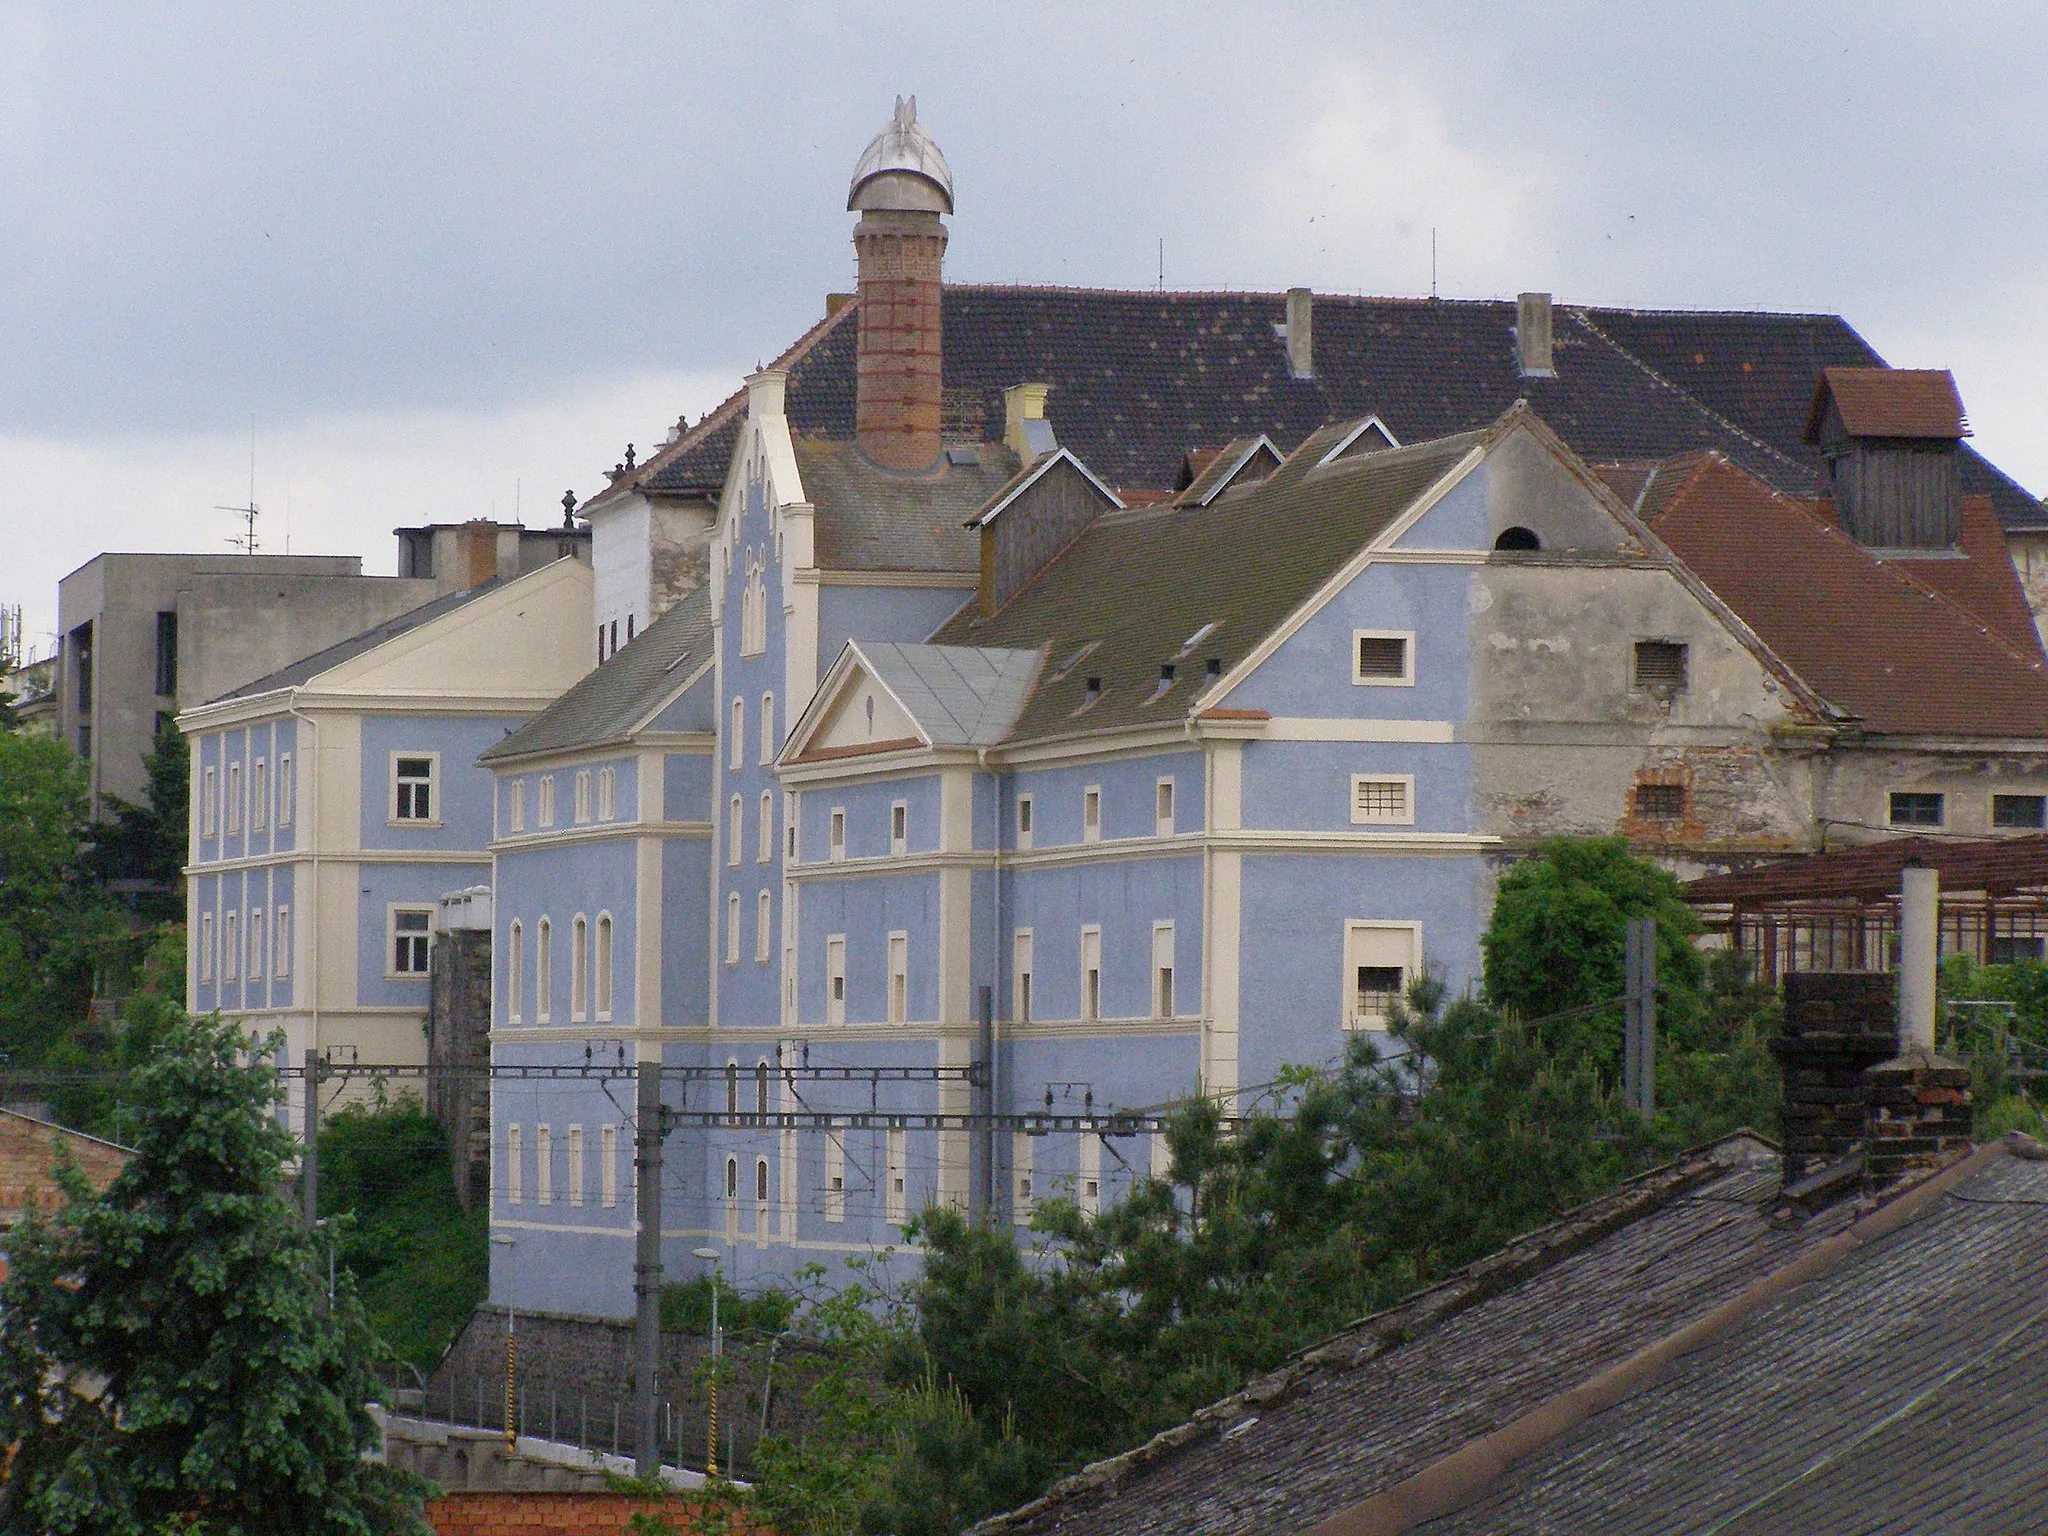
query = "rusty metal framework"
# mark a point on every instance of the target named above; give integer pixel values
(1839, 911)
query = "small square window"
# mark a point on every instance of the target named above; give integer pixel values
(1162, 808)
(836, 843)
(1916, 809)
(1660, 666)
(1378, 986)
(1091, 815)
(1384, 657)
(1023, 821)
(1660, 802)
(1387, 800)
(2019, 811)
(412, 794)
(899, 827)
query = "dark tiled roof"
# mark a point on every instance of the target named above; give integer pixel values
(871, 519)
(1904, 1391)
(613, 699)
(1139, 378)
(1398, 1391)
(1890, 402)
(1895, 643)
(307, 668)
(1137, 584)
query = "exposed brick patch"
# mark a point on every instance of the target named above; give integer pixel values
(577, 1514)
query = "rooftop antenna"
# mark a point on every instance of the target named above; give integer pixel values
(1432, 261)
(1162, 263)
(246, 540)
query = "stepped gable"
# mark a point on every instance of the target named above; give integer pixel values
(1878, 638)
(1138, 378)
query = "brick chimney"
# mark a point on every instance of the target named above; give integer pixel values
(900, 188)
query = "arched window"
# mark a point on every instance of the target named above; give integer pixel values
(1518, 538)
(732, 832)
(761, 1180)
(603, 965)
(735, 751)
(732, 928)
(732, 1178)
(579, 969)
(764, 922)
(543, 971)
(761, 1089)
(515, 945)
(732, 1088)
(767, 728)
(766, 851)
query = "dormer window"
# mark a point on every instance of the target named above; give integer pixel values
(1066, 667)
(1189, 645)
(1164, 685)
(1091, 695)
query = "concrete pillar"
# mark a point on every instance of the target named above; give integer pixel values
(1301, 336)
(1532, 336)
(1919, 941)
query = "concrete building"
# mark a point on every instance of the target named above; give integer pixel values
(336, 800)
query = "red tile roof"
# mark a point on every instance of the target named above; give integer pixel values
(1902, 649)
(1889, 402)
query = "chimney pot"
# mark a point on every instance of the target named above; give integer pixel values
(1094, 686)
(1026, 433)
(1166, 672)
(1301, 353)
(1215, 666)
(1532, 336)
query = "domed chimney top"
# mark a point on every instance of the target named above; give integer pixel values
(902, 168)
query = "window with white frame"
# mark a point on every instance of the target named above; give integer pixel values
(767, 728)
(286, 787)
(732, 1086)
(736, 747)
(1916, 808)
(579, 969)
(515, 806)
(835, 979)
(899, 977)
(1024, 1197)
(764, 840)
(732, 928)
(1385, 657)
(1088, 1180)
(1383, 799)
(607, 794)
(899, 827)
(1380, 959)
(576, 1165)
(1023, 822)
(410, 936)
(259, 795)
(1091, 973)
(543, 971)
(515, 1166)
(582, 795)
(760, 1187)
(255, 943)
(601, 966)
(1091, 814)
(234, 797)
(732, 832)
(545, 809)
(732, 1179)
(1162, 808)
(789, 824)
(206, 946)
(1162, 971)
(835, 1175)
(608, 1166)
(207, 802)
(230, 947)
(836, 843)
(764, 924)
(281, 942)
(761, 1086)
(896, 1172)
(543, 1165)
(413, 794)
(1020, 996)
(515, 958)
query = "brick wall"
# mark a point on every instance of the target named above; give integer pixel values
(28, 1162)
(575, 1514)
(459, 1034)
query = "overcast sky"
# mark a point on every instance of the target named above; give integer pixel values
(450, 259)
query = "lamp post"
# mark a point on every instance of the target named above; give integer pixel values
(511, 1247)
(712, 1256)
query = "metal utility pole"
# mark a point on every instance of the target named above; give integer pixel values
(712, 1257)
(647, 1271)
(984, 1104)
(309, 1160)
(510, 1245)
(1639, 1011)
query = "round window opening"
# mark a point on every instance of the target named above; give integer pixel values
(1518, 538)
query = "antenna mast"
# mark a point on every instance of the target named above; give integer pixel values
(245, 541)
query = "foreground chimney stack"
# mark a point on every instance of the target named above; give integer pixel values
(900, 188)
(1301, 335)
(1532, 336)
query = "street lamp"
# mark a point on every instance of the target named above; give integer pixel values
(712, 1256)
(511, 1246)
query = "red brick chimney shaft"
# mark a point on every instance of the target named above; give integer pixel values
(899, 255)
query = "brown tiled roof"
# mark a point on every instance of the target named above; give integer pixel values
(1874, 637)
(1138, 377)
(1138, 583)
(1889, 402)
(1996, 866)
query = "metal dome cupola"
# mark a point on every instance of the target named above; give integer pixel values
(902, 168)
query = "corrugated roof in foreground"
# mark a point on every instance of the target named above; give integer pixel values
(610, 701)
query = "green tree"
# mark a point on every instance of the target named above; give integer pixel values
(144, 845)
(54, 923)
(168, 1357)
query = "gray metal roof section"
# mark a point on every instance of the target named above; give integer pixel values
(307, 668)
(959, 695)
(615, 699)
(871, 519)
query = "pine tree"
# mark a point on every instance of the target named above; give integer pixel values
(169, 1359)
(146, 843)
